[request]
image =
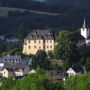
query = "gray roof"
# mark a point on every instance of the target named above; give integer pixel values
(14, 67)
(10, 59)
(41, 34)
(78, 69)
(14, 59)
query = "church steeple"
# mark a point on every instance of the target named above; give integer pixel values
(85, 32)
(84, 23)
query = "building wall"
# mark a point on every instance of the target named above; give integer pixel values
(49, 45)
(85, 32)
(88, 42)
(32, 46)
(22, 72)
(6, 73)
(71, 72)
(18, 73)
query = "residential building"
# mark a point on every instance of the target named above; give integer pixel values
(14, 59)
(7, 72)
(72, 71)
(39, 40)
(14, 70)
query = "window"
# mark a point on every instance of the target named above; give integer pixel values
(29, 47)
(34, 41)
(47, 46)
(47, 41)
(37, 36)
(50, 41)
(4, 72)
(50, 46)
(39, 47)
(35, 47)
(39, 41)
(51, 36)
(31, 36)
(28, 41)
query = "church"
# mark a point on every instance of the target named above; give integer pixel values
(84, 36)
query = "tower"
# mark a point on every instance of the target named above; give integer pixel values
(84, 30)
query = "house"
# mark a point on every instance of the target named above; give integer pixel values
(57, 76)
(32, 71)
(72, 71)
(14, 70)
(39, 40)
(14, 59)
(84, 36)
(7, 72)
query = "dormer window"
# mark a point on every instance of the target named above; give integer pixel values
(50, 36)
(49, 32)
(46, 36)
(35, 32)
(31, 36)
(37, 36)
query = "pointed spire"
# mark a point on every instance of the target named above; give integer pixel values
(84, 23)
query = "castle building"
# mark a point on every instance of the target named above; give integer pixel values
(39, 40)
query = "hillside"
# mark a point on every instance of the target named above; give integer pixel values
(44, 4)
(64, 14)
(4, 11)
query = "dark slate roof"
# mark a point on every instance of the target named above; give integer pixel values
(10, 69)
(13, 59)
(41, 34)
(14, 67)
(78, 69)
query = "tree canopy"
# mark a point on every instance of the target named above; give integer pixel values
(65, 45)
(40, 60)
(65, 48)
(79, 82)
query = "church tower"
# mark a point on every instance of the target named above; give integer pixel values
(85, 32)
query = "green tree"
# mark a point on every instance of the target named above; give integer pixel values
(3, 46)
(7, 83)
(66, 47)
(79, 82)
(87, 63)
(40, 60)
(37, 81)
(22, 33)
(50, 54)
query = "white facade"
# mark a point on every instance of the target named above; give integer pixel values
(88, 42)
(71, 72)
(85, 32)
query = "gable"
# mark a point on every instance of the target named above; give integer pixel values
(70, 70)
